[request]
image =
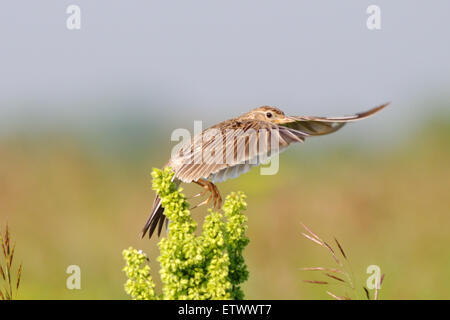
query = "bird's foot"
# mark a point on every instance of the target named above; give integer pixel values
(215, 196)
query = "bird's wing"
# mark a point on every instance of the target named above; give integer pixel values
(315, 126)
(231, 148)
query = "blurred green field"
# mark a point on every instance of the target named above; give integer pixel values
(68, 202)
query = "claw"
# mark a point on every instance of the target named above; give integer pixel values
(200, 194)
(203, 202)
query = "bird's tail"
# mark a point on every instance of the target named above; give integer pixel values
(156, 217)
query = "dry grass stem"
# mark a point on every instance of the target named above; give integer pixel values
(344, 270)
(367, 293)
(10, 285)
(340, 248)
(322, 269)
(377, 287)
(334, 277)
(315, 281)
(338, 297)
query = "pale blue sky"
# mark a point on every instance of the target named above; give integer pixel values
(215, 59)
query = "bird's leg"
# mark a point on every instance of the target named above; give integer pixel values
(217, 197)
(215, 194)
(204, 186)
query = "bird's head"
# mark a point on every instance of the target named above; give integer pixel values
(269, 114)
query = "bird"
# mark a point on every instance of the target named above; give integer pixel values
(232, 147)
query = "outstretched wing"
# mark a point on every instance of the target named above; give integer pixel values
(316, 126)
(231, 148)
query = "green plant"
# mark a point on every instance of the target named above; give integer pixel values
(11, 283)
(208, 266)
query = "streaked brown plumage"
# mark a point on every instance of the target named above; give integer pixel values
(243, 141)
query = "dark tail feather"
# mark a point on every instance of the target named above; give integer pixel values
(157, 216)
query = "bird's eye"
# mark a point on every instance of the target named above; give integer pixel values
(269, 115)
